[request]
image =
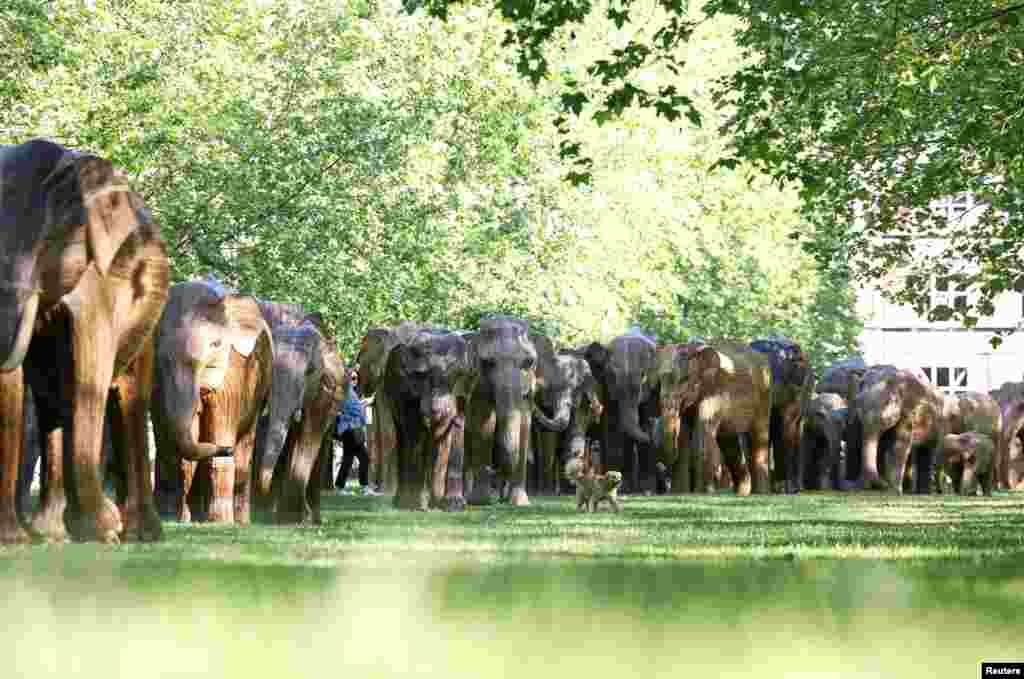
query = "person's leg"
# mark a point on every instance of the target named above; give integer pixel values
(347, 456)
(363, 455)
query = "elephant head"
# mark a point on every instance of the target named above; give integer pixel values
(427, 381)
(825, 419)
(564, 384)
(299, 376)
(622, 369)
(373, 353)
(206, 335)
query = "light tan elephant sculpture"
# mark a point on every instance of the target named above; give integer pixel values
(717, 392)
(214, 361)
(83, 280)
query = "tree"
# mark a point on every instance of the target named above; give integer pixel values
(875, 109)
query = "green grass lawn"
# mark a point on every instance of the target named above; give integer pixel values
(812, 585)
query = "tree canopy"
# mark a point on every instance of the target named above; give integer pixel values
(376, 165)
(875, 109)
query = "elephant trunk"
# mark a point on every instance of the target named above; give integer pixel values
(560, 421)
(22, 335)
(188, 445)
(631, 426)
(507, 435)
(277, 434)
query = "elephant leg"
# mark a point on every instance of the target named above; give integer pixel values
(924, 470)
(293, 507)
(869, 471)
(898, 455)
(313, 490)
(92, 350)
(779, 456)
(413, 453)
(242, 486)
(703, 464)
(141, 520)
(760, 442)
(439, 469)
(676, 441)
(681, 477)
(11, 431)
(188, 473)
(48, 523)
(453, 497)
(479, 448)
(791, 421)
(517, 496)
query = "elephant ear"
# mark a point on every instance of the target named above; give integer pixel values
(547, 359)
(588, 384)
(472, 351)
(597, 356)
(332, 375)
(710, 363)
(463, 376)
(111, 216)
(247, 326)
(373, 359)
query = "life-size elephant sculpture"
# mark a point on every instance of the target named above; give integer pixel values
(1008, 391)
(620, 368)
(373, 360)
(1010, 469)
(976, 412)
(718, 395)
(83, 280)
(309, 382)
(503, 362)
(214, 360)
(426, 382)
(967, 458)
(792, 387)
(903, 407)
(567, 389)
(822, 441)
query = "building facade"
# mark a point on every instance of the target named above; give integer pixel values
(955, 358)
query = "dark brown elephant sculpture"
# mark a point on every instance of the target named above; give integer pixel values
(83, 280)
(503, 362)
(214, 361)
(718, 394)
(822, 440)
(309, 382)
(907, 410)
(426, 382)
(620, 368)
(567, 389)
(977, 413)
(792, 387)
(373, 360)
(1010, 467)
(968, 459)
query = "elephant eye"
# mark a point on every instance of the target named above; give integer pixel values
(487, 363)
(527, 363)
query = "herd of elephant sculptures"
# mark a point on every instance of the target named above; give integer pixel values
(241, 393)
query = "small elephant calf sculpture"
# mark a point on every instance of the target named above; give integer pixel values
(968, 458)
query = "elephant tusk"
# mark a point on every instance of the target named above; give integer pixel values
(24, 336)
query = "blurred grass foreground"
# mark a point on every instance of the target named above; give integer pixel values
(813, 585)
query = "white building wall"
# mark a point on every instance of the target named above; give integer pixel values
(955, 358)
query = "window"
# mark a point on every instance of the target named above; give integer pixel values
(954, 208)
(951, 380)
(946, 293)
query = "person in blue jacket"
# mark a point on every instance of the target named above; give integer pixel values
(350, 430)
